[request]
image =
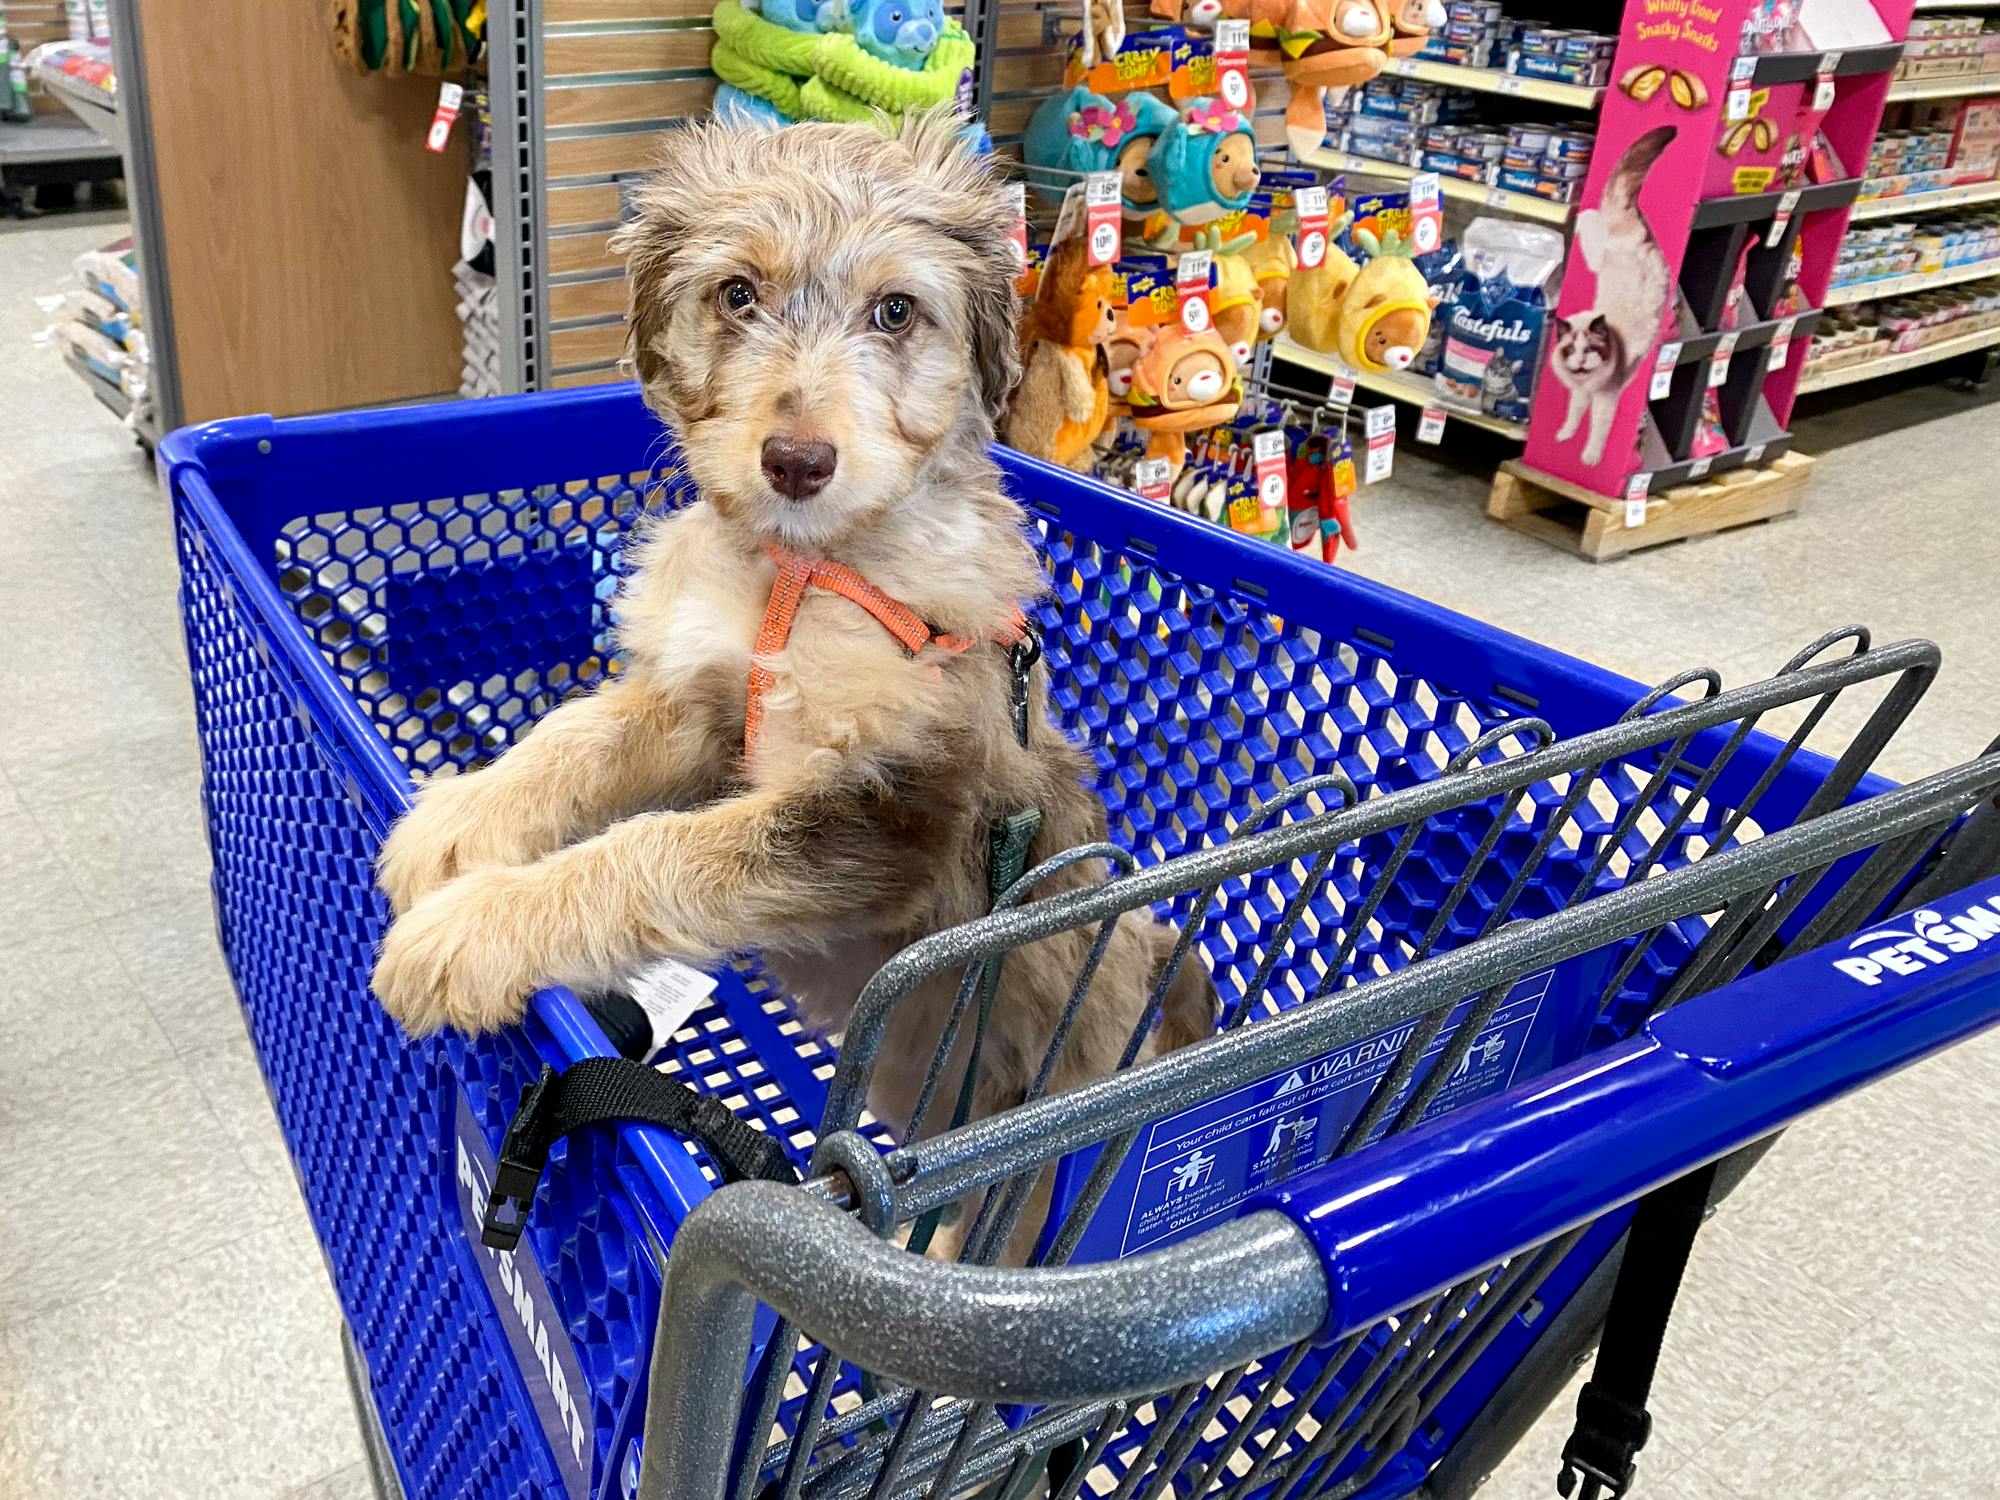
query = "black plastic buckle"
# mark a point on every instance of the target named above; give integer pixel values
(1027, 651)
(1596, 1483)
(1609, 1433)
(523, 1155)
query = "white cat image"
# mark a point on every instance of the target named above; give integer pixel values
(1596, 351)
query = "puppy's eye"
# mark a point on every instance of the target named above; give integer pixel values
(736, 297)
(894, 313)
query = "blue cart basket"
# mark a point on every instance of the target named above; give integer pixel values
(1504, 941)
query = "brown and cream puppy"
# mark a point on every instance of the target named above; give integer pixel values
(825, 316)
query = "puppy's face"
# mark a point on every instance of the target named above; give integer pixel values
(816, 311)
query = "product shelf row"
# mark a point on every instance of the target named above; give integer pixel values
(1826, 378)
(1916, 281)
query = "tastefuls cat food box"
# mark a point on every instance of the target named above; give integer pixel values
(1496, 320)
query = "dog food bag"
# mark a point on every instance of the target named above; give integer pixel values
(1496, 317)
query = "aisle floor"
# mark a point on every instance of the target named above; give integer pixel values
(166, 1328)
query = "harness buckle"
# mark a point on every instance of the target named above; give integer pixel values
(1021, 661)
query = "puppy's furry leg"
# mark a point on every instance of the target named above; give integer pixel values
(808, 861)
(590, 761)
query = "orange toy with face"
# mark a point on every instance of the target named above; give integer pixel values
(1183, 383)
(1063, 401)
(1414, 21)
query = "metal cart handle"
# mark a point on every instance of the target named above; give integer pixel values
(1061, 1334)
(1407, 1219)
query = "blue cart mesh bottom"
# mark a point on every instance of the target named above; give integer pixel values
(1203, 682)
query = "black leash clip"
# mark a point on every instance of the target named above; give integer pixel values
(1021, 659)
(524, 1152)
(1609, 1433)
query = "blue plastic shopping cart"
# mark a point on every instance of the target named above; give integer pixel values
(1504, 942)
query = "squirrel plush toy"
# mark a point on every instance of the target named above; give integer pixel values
(1063, 400)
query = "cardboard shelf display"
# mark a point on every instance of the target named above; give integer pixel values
(1715, 174)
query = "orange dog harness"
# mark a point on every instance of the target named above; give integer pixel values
(796, 574)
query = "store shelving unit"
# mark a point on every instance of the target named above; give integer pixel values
(1416, 390)
(1965, 195)
(1951, 86)
(1890, 364)
(1496, 81)
(1916, 281)
(1521, 205)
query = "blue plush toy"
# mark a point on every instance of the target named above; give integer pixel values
(737, 107)
(1205, 164)
(793, 15)
(1081, 131)
(900, 32)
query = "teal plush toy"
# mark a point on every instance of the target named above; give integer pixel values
(1205, 164)
(900, 32)
(739, 108)
(1082, 131)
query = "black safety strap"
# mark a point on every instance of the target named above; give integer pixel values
(1612, 1423)
(598, 1091)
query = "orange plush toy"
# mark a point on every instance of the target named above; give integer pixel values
(1063, 402)
(1414, 21)
(1321, 45)
(1181, 384)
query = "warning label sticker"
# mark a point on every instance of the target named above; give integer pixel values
(1201, 1164)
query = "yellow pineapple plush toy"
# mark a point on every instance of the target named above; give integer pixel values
(1385, 313)
(1313, 298)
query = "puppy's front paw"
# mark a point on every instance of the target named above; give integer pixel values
(456, 958)
(454, 828)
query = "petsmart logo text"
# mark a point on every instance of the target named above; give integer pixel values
(527, 1312)
(1928, 938)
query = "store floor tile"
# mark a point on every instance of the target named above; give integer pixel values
(166, 1327)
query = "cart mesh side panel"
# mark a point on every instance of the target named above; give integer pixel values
(364, 1113)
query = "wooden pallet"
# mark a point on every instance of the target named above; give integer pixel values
(1593, 525)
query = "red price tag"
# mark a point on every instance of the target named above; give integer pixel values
(1381, 429)
(1636, 490)
(1426, 213)
(1718, 363)
(1155, 479)
(1312, 210)
(1829, 63)
(1268, 449)
(1431, 428)
(1232, 63)
(1103, 217)
(1782, 219)
(1663, 372)
(450, 97)
(1781, 345)
(1191, 281)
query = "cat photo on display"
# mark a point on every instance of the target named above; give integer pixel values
(1498, 385)
(1596, 351)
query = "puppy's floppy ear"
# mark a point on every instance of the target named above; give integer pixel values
(667, 207)
(973, 208)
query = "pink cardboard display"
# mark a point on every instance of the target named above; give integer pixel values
(1661, 152)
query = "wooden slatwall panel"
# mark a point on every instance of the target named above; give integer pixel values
(617, 73)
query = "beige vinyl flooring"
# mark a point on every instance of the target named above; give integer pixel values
(166, 1328)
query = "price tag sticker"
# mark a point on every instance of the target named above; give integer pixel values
(1312, 211)
(1718, 362)
(1191, 281)
(1755, 456)
(1426, 213)
(450, 97)
(1406, 66)
(1104, 216)
(1781, 345)
(1232, 63)
(1663, 372)
(1341, 391)
(1736, 104)
(1498, 197)
(1829, 64)
(1267, 450)
(1509, 84)
(1636, 490)
(1154, 478)
(1431, 428)
(1381, 430)
(1743, 69)
(1699, 469)
(1782, 219)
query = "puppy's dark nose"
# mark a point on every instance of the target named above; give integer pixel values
(798, 470)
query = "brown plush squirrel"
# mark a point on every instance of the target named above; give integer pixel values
(1063, 402)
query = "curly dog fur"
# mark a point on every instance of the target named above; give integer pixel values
(629, 823)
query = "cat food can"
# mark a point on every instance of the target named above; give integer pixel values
(1529, 140)
(1570, 146)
